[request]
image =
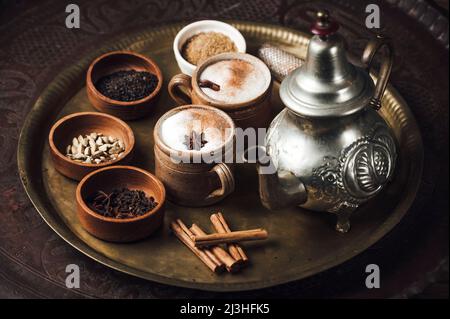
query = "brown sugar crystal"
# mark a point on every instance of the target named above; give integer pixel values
(206, 44)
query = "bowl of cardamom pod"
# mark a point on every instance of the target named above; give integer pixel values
(81, 143)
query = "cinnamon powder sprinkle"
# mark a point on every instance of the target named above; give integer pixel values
(204, 45)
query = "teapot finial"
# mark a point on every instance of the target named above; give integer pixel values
(324, 25)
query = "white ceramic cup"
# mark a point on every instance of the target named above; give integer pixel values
(204, 26)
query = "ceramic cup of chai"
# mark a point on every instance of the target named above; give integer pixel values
(237, 83)
(193, 144)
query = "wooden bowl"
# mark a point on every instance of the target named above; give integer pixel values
(118, 61)
(64, 130)
(120, 230)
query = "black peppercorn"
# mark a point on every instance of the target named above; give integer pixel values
(127, 86)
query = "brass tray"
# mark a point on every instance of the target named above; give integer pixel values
(301, 243)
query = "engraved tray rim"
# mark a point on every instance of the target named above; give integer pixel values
(62, 82)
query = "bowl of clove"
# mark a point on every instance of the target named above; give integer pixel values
(83, 142)
(120, 203)
(124, 84)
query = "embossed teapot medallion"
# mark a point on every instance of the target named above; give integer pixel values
(330, 149)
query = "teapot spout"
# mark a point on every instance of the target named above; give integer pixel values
(277, 188)
(281, 189)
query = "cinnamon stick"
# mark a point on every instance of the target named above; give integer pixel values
(207, 251)
(231, 264)
(209, 84)
(221, 226)
(200, 253)
(227, 228)
(231, 237)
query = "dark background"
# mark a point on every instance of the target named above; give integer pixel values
(35, 46)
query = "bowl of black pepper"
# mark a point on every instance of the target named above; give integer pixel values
(124, 84)
(120, 203)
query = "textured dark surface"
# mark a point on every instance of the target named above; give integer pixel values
(36, 45)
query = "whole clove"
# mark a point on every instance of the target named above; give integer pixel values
(121, 203)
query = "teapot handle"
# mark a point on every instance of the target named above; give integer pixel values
(386, 66)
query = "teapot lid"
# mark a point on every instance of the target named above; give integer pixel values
(327, 84)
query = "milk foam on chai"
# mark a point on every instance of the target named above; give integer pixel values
(240, 81)
(175, 128)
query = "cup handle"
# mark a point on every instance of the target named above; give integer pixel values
(386, 66)
(180, 96)
(226, 180)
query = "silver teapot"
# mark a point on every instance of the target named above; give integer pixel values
(330, 148)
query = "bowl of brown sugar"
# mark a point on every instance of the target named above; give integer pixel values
(201, 40)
